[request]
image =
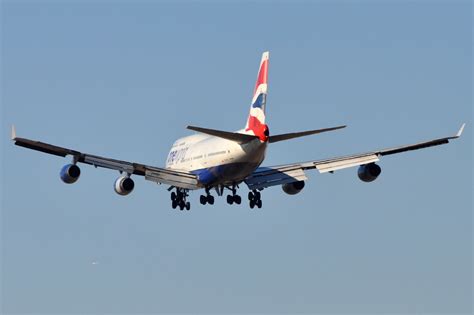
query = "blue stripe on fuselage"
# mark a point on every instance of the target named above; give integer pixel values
(225, 173)
(260, 101)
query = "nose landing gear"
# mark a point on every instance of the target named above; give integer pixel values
(255, 199)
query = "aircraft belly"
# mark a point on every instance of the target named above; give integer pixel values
(242, 162)
(225, 173)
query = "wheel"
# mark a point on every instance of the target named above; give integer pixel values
(173, 196)
(181, 205)
(259, 203)
(251, 196)
(252, 204)
(230, 199)
(258, 195)
(174, 204)
(237, 199)
(210, 199)
(202, 199)
(188, 206)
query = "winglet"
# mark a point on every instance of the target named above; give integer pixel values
(460, 130)
(13, 135)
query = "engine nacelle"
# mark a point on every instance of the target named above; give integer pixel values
(70, 173)
(124, 185)
(293, 188)
(369, 172)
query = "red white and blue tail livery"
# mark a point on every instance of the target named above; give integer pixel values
(256, 120)
(218, 161)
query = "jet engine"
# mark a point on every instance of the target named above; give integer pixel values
(369, 172)
(124, 185)
(70, 173)
(293, 188)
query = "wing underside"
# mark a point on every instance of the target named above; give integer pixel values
(265, 177)
(156, 174)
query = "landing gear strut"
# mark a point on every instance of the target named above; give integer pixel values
(208, 198)
(178, 199)
(234, 198)
(255, 199)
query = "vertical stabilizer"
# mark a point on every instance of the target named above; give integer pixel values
(256, 119)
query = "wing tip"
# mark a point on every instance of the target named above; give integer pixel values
(460, 130)
(13, 133)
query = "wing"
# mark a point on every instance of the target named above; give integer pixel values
(278, 175)
(156, 174)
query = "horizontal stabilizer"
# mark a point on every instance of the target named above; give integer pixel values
(232, 136)
(288, 136)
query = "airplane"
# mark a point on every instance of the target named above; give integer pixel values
(217, 160)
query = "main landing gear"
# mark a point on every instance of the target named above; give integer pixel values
(255, 199)
(178, 199)
(208, 198)
(203, 199)
(234, 198)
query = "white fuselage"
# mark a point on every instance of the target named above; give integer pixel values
(216, 161)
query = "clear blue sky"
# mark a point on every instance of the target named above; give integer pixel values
(123, 79)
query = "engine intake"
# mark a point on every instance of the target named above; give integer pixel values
(369, 172)
(70, 173)
(124, 185)
(293, 188)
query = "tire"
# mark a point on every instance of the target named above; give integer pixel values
(173, 196)
(210, 199)
(258, 195)
(203, 200)
(174, 204)
(259, 203)
(252, 204)
(230, 199)
(188, 206)
(237, 199)
(251, 196)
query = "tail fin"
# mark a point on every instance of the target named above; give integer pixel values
(256, 119)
